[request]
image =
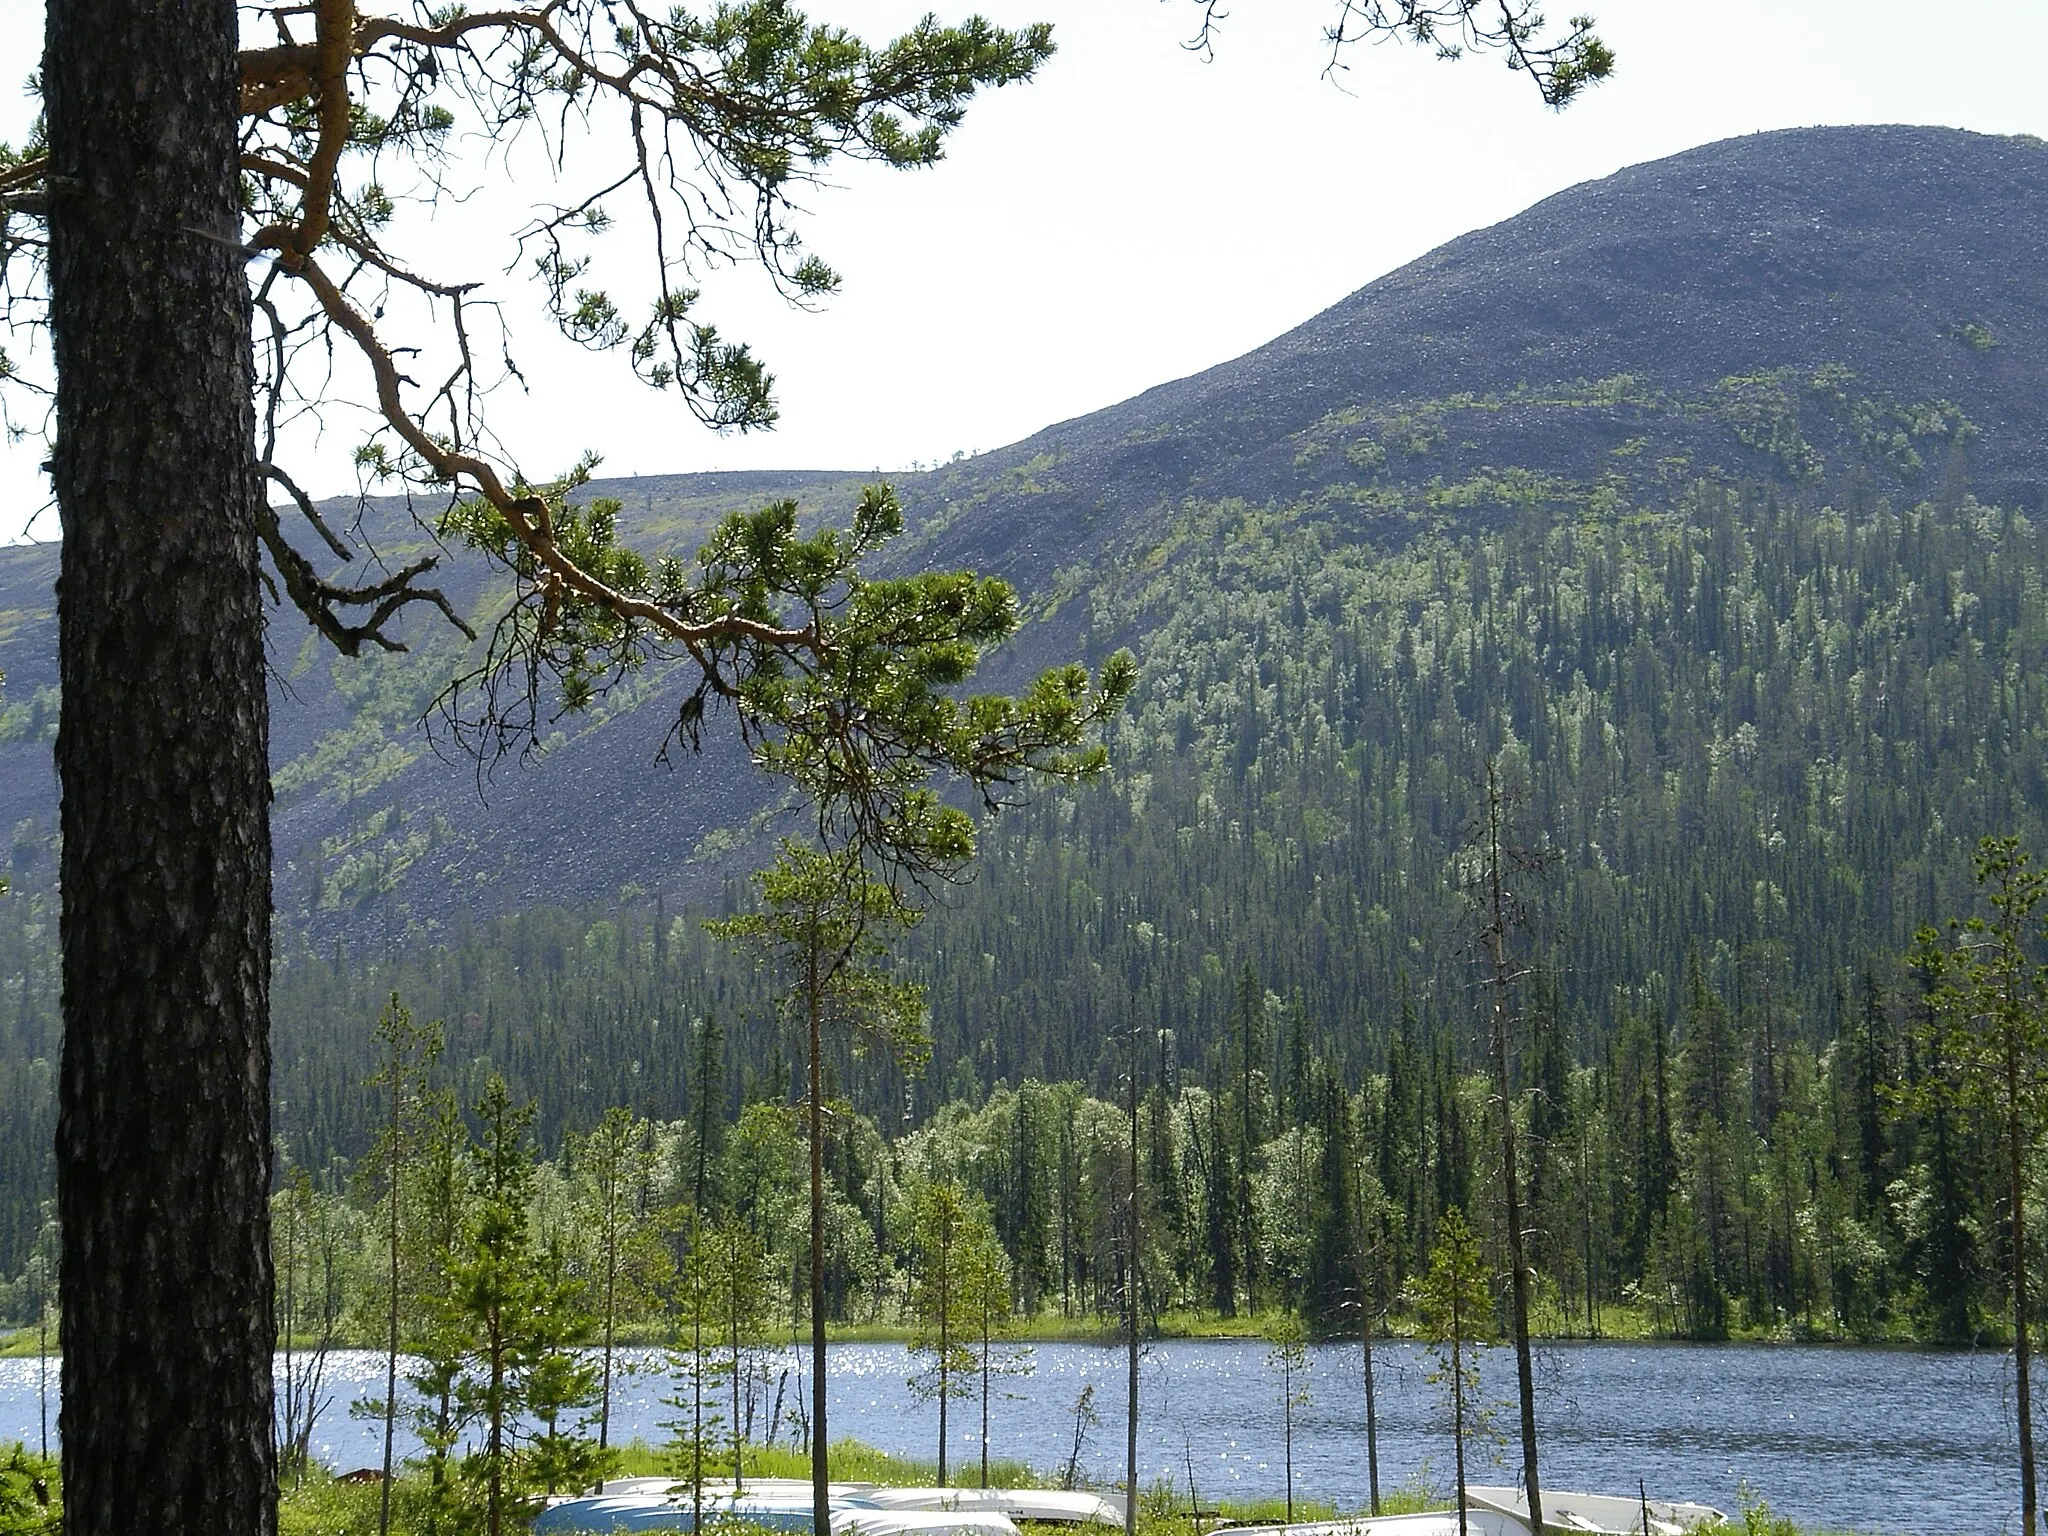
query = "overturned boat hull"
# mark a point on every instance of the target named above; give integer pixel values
(1497, 1511)
(1610, 1514)
(784, 1505)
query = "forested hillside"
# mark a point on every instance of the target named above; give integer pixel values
(1762, 739)
(1759, 728)
(1756, 617)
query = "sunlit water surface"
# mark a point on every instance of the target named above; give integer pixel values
(1847, 1438)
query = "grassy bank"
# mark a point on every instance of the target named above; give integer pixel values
(320, 1506)
(24, 1343)
(851, 1461)
(1615, 1323)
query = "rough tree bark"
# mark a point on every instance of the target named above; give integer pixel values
(1496, 918)
(163, 1141)
(1131, 1300)
(2016, 1167)
(814, 1110)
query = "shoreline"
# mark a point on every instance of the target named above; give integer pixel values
(21, 1345)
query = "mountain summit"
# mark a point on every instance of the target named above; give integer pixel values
(1908, 257)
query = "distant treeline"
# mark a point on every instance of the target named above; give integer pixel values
(1717, 1176)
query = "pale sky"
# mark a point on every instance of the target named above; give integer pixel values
(1137, 214)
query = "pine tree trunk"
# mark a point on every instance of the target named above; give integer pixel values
(1458, 1409)
(1518, 1269)
(2023, 1397)
(1372, 1421)
(945, 1332)
(1518, 1293)
(1287, 1413)
(821, 1492)
(494, 1434)
(1131, 1303)
(396, 1175)
(163, 1141)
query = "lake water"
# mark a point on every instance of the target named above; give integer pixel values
(1857, 1439)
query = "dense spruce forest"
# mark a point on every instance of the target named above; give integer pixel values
(1760, 731)
(1724, 1176)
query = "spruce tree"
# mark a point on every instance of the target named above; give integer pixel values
(407, 1051)
(515, 1314)
(1334, 1243)
(1248, 1047)
(1455, 1311)
(1873, 1083)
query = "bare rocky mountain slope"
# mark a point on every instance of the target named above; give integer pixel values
(1908, 257)
(1829, 311)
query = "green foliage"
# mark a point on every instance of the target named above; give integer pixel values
(716, 1314)
(1455, 1312)
(823, 928)
(1287, 1348)
(498, 1347)
(1987, 994)
(1986, 1035)
(736, 1286)
(1757, 1519)
(626, 1263)
(1679, 687)
(31, 1494)
(861, 727)
(1287, 1353)
(1766, 732)
(850, 1461)
(847, 685)
(1454, 1305)
(988, 1310)
(1087, 1418)
(319, 1504)
(954, 1286)
(407, 1053)
(314, 1240)
(1561, 65)
(1861, 1200)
